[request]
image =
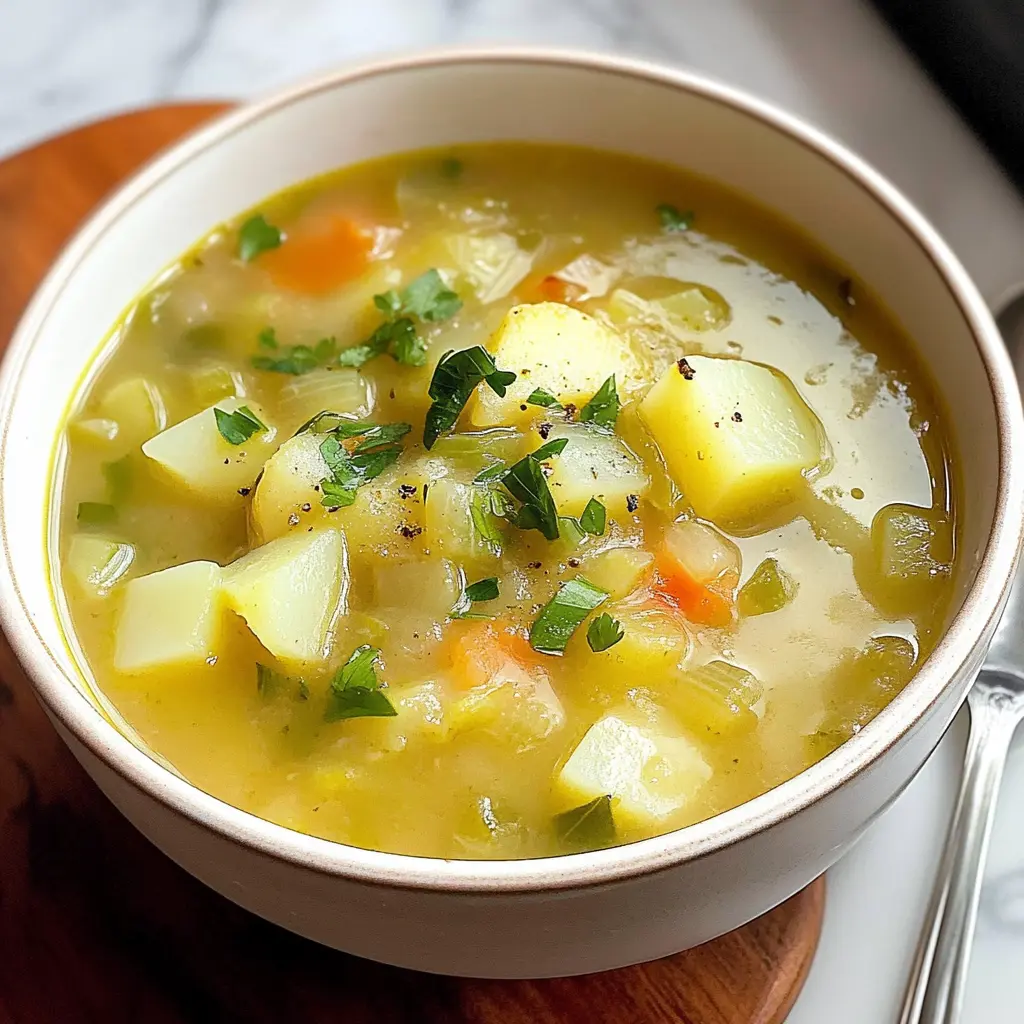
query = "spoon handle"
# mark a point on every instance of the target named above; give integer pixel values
(936, 989)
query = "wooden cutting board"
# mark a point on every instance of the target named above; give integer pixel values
(98, 927)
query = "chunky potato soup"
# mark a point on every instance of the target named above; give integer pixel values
(502, 502)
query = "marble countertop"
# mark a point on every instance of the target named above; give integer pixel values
(63, 62)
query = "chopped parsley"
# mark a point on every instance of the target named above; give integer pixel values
(355, 691)
(238, 426)
(455, 377)
(603, 409)
(486, 507)
(544, 399)
(594, 518)
(293, 359)
(256, 236)
(499, 470)
(589, 826)
(427, 299)
(561, 616)
(355, 453)
(604, 632)
(268, 680)
(482, 590)
(673, 219)
(96, 513)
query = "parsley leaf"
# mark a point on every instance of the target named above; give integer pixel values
(486, 507)
(526, 482)
(256, 236)
(293, 359)
(560, 617)
(672, 219)
(500, 469)
(355, 453)
(544, 399)
(603, 409)
(238, 426)
(455, 377)
(96, 513)
(355, 691)
(590, 825)
(594, 518)
(604, 632)
(429, 298)
(482, 590)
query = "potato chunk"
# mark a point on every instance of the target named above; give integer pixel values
(97, 563)
(558, 348)
(170, 619)
(649, 776)
(290, 592)
(194, 454)
(913, 553)
(594, 465)
(618, 570)
(137, 407)
(736, 437)
(287, 497)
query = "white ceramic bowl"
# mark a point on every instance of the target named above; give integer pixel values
(588, 911)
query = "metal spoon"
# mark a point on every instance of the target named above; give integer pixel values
(935, 992)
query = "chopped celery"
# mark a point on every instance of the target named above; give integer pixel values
(479, 449)
(865, 681)
(913, 552)
(493, 264)
(769, 588)
(461, 523)
(137, 407)
(339, 390)
(716, 698)
(97, 563)
(211, 382)
(618, 570)
(94, 430)
(676, 304)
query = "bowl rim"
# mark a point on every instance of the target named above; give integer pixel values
(955, 652)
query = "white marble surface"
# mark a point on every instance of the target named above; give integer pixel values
(67, 61)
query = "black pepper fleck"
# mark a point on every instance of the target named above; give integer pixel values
(244, 491)
(737, 418)
(293, 519)
(391, 393)
(632, 502)
(533, 565)
(406, 491)
(408, 532)
(544, 429)
(716, 424)
(306, 507)
(570, 412)
(685, 369)
(574, 563)
(226, 461)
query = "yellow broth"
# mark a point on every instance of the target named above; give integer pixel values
(479, 761)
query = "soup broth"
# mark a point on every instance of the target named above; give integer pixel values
(502, 502)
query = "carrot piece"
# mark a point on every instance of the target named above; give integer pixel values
(699, 602)
(317, 259)
(554, 289)
(480, 650)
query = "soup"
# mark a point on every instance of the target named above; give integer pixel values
(502, 502)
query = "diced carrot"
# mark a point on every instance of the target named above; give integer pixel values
(700, 602)
(319, 258)
(554, 289)
(480, 650)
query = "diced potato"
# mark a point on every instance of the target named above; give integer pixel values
(414, 597)
(618, 570)
(517, 705)
(769, 588)
(736, 437)
(170, 619)
(655, 642)
(421, 717)
(558, 348)
(649, 776)
(94, 431)
(194, 454)
(97, 563)
(594, 465)
(137, 407)
(676, 304)
(290, 593)
(461, 524)
(913, 553)
(338, 390)
(716, 698)
(493, 264)
(287, 497)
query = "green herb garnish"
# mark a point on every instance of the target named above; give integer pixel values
(268, 681)
(544, 399)
(398, 337)
(119, 478)
(355, 453)
(482, 590)
(603, 409)
(256, 236)
(594, 518)
(355, 691)
(238, 426)
(486, 507)
(589, 826)
(673, 219)
(561, 616)
(455, 377)
(604, 632)
(429, 298)
(500, 469)
(526, 482)
(293, 359)
(96, 513)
